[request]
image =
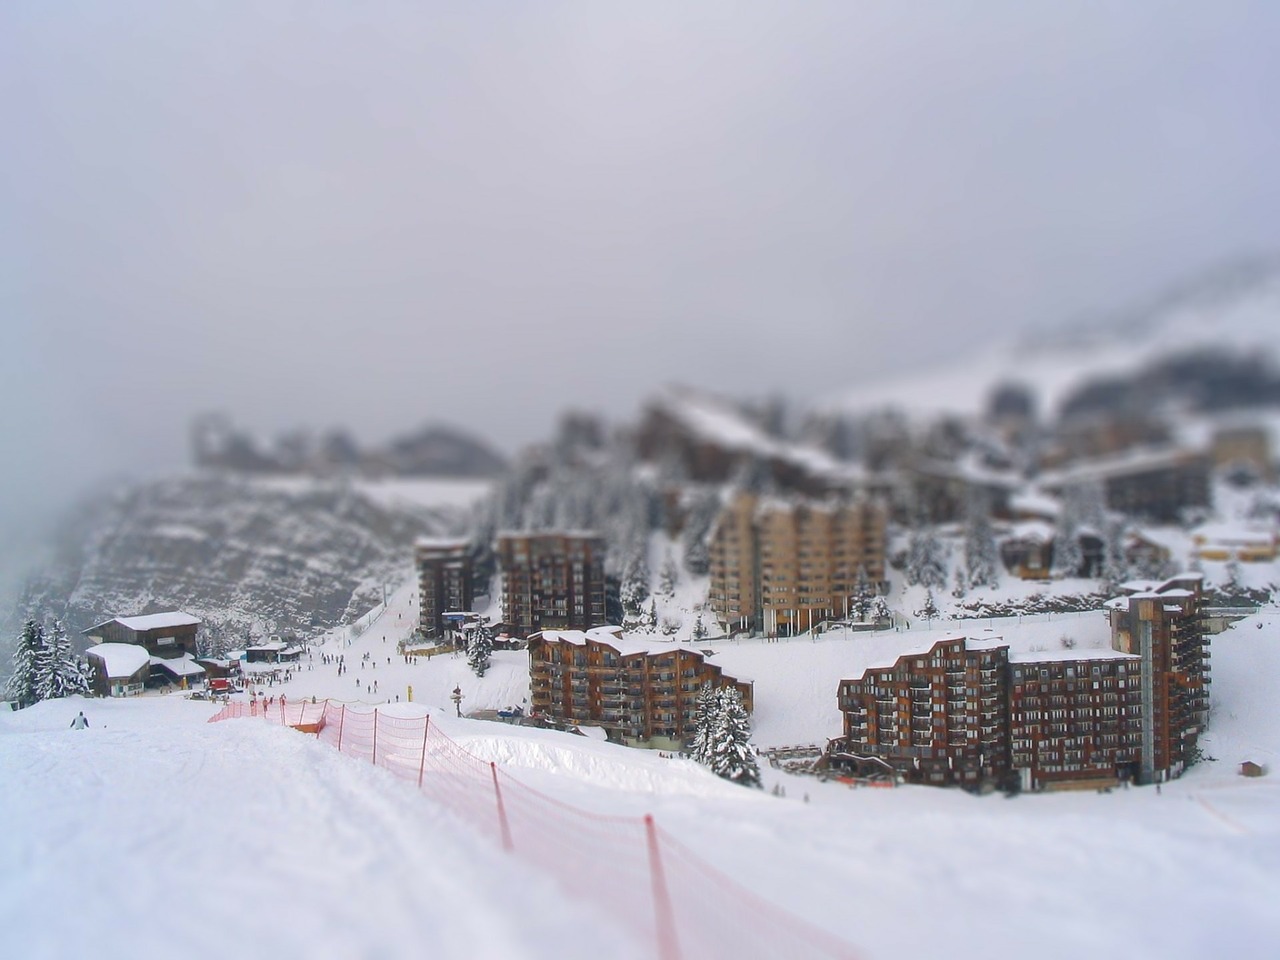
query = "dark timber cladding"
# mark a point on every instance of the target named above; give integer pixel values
(1163, 625)
(642, 692)
(444, 582)
(551, 581)
(937, 717)
(164, 635)
(971, 713)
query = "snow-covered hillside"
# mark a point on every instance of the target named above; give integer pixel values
(118, 839)
(284, 555)
(1241, 315)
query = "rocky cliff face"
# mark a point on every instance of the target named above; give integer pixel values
(282, 557)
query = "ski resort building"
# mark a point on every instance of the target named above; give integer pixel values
(169, 640)
(783, 567)
(118, 669)
(640, 690)
(551, 581)
(984, 712)
(444, 582)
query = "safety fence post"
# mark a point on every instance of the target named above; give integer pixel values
(422, 760)
(664, 916)
(375, 736)
(342, 716)
(502, 811)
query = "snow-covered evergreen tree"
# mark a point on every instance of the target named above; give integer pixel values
(1115, 563)
(930, 609)
(479, 650)
(1067, 555)
(696, 535)
(1233, 572)
(699, 628)
(24, 683)
(926, 559)
(731, 756)
(634, 590)
(863, 594)
(961, 583)
(981, 559)
(879, 610)
(668, 576)
(61, 673)
(705, 713)
(649, 621)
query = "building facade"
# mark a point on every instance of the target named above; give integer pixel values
(444, 582)
(783, 567)
(969, 713)
(641, 692)
(1163, 625)
(937, 717)
(551, 581)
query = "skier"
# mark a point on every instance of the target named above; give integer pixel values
(80, 722)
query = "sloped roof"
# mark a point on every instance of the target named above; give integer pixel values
(152, 621)
(120, 659)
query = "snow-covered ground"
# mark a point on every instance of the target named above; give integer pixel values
(154, 833)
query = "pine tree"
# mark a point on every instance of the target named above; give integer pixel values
(731, 756)
(479, 650)
(926, 559)
(61, 672)
(863, 593)
(696, 536)
(1067, 556)
(961, 585)
(668, 576)
(650, 620)
(706, 710)
(699, 628)
(930, 609)
(635, 581)
(1115, 563)
(880, 611)
(23, 685)
(981, 558)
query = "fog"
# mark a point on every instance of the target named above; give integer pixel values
(380, 214)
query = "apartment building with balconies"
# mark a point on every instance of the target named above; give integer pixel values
(977, 712)
(782, 567)
(444, 582)
(642, 691)
(551, 580)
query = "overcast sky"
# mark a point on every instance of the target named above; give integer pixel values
(376, 214)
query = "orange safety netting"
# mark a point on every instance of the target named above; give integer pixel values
(642, 877)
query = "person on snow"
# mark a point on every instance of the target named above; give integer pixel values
(80, 722)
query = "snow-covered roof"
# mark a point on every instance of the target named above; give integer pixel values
(627, 644)
(267, 647)
(718, 422)
(120, 659)
(152, 621)
(441, 543)
(183, 666)
(1034, 502)
(1232, 533)
(1035, 530)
